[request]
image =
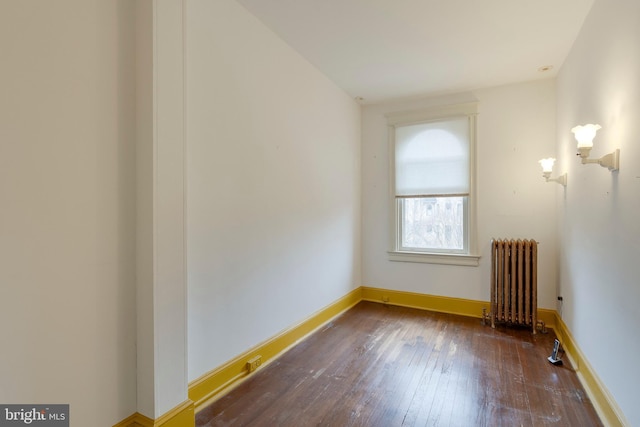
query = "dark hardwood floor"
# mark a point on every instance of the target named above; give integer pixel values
(386, 366)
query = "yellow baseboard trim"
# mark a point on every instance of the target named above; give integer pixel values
(211, 385)
(135, 420)
(440, 304)
(548, 317)
(182, 415)
(459, 306)
(606, 407)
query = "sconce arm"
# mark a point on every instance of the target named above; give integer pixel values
(562, 179)
(610, 161)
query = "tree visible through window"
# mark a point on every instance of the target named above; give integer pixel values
(432, 223)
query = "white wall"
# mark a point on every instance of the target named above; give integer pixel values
(516, 128)
(67, 206)
(273, 153)
(598, 227)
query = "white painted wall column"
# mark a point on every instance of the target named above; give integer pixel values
(161, 279)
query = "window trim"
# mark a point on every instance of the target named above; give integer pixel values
(427, 115)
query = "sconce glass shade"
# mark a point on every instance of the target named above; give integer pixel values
(585, 134)
(547, 164)
(547, 168)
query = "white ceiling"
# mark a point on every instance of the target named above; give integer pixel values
(385, 49)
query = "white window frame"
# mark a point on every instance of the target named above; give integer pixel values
(394, 120)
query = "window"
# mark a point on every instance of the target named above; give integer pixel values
(432, 185)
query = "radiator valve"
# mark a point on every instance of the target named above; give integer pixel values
(541, 327)
(486, 317)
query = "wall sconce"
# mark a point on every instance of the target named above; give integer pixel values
(584, 135)
(547, 168)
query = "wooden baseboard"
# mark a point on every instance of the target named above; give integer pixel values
(135, 420)
(182, 415)
(459, 306)
(211, 385)
(604, 404)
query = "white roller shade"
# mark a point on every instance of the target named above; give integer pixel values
(432, 158)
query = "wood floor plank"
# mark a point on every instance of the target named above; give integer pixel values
(379, 365)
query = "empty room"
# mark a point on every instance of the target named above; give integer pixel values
(311, 212)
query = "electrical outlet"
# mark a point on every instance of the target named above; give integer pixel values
(254, 363)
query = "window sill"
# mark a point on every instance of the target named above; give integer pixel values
(433, 258)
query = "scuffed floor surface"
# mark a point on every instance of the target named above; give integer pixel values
(386, 366)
